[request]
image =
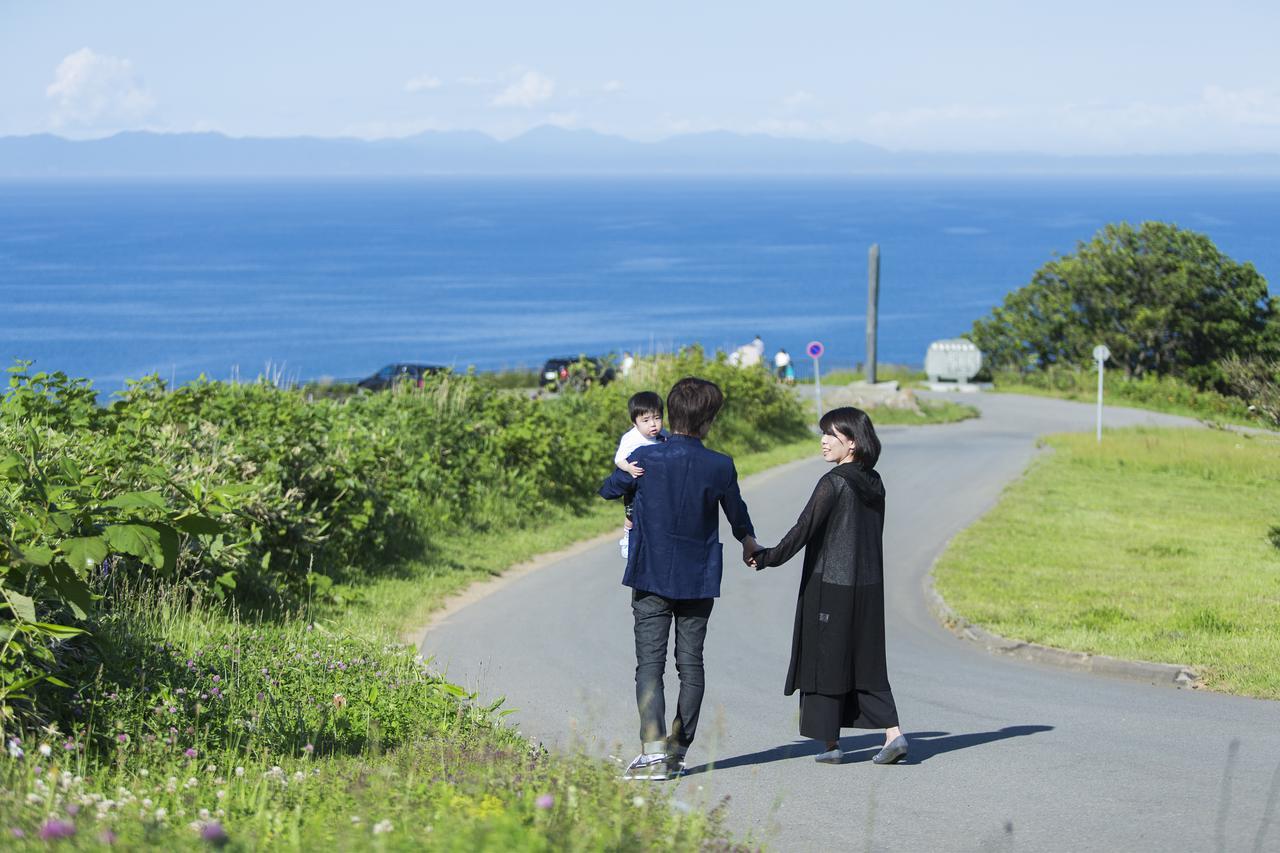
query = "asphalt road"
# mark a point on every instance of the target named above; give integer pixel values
(1006, 754)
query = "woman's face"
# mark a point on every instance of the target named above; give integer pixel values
(837, 447)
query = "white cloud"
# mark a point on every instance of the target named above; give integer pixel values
(530, 90)
(91, 89)
(422, 83)
(611, 86)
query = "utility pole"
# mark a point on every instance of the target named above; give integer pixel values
(873, 303)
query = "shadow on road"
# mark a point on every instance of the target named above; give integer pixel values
(924, 745)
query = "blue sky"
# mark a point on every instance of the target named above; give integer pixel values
(1080, 77)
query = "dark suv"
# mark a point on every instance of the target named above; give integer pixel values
(393, 374)
(576, 373)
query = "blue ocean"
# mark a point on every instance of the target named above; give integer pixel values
(115, 280)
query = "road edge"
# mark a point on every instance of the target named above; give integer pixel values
(1149, 672)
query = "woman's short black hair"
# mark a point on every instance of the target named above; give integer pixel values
(644, 403)
(693, 404)
(854, 424)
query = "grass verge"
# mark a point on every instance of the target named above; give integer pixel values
(1157, 545)
(1168, 396)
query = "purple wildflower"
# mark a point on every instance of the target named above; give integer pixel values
(55, 829)
(545, 801)
(73, 809)
(190, 752)
(213, 833)
(308, 749)
(122, 738)
(107, 837)
(16, 832)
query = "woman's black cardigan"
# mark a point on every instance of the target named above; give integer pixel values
(838, 642)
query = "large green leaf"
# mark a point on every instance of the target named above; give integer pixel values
(84, 552)
(137, 540)
(139, 500)
(21, 605)
(36, 555)
(72, 590)
(199, 525)
(12, 467)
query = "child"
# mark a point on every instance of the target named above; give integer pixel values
(645, 409)
(675, 569)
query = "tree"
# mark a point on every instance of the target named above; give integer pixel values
(1163, 299)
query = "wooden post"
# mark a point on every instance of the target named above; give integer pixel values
(873, 302)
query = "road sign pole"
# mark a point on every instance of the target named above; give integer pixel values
(817, 384)
(873, 308)
(1100, 355)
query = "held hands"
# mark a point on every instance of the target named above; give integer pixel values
(750, 548)
(632, 468)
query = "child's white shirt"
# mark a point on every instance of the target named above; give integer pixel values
(630, 440)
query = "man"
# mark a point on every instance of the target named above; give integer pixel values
(674, 565)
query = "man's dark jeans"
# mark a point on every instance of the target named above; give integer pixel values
(653, 615)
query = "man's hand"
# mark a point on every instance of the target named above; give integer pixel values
(627, 524)
(749, 547)
(633, 469)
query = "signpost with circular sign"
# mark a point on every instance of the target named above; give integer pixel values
(815, 350)
(1100, 355)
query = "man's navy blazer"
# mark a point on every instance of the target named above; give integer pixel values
(675, 548)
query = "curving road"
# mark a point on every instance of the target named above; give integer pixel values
(1006, 754)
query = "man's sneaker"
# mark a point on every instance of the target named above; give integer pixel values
(650, 767)
(675, 763)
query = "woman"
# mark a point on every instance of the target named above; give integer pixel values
(837, 649)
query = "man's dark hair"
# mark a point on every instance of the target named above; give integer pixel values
(856, 425)
(644, 403)
(693, 404)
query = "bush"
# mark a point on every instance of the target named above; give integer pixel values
(267, 496)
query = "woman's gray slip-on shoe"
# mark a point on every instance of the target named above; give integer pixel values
(831, 756)
(893, 751)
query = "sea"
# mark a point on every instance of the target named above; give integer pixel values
(305, 280)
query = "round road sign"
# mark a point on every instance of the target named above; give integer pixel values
(1101, 353)
(815, 349)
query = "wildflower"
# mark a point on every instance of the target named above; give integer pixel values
(161, 813)
(146, 803)
(144, 772)
(637, 801)
(308, 749)
(355, 819)
(122, 738)
(203, 814)
(239, 771)
(382, 827)
(69, 746)
(545, 801)
(45, 749)
(55, 829)
(16, 832)
(261, 696)
(190, 752)
(15, 748)
(73, 810)
(339, 701)
(214, 834)
(106, 837)
(217, 678)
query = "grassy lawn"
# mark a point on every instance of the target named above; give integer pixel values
(1159, 545)
(1168, 395)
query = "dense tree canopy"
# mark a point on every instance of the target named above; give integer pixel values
(1163, 299)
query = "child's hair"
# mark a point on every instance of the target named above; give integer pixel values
(855, 425)
(693, 404)
(644, 403)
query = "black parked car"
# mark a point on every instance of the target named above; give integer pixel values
(395, 373)
(576, 373)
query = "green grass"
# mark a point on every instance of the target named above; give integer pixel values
(931, 412)
(1158, 395)
(904, 374)
(1157, 545)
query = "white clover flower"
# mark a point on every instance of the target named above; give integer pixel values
(355, 819)
(221, 794)
(638, 802)
(239, 771)
(146, 803)
(45, 750)
(162, 813)
(382, 826)
(144, 772)
(203, 814)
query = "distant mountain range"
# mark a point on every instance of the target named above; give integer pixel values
(550, 150)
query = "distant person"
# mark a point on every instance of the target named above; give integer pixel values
(628, 364)
(749, 355)
(757, 343)
(645, 409)
(674, 566)
(781, 361)
(837, 647)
